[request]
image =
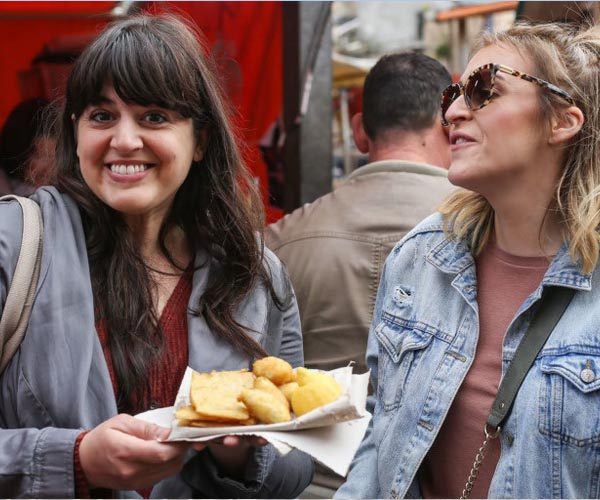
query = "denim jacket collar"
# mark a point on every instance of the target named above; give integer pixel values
(453, 257)
(564, 272)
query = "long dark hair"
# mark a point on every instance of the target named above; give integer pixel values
(158, 60)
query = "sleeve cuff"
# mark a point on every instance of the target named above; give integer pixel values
(52, 463)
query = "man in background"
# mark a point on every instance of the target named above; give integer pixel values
(335, 247)
(25, 151)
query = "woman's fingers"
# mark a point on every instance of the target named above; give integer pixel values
(231, 441)
(244, 440)
(139, 428)
(123, 453)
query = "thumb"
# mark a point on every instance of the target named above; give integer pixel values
(144, 430)
(154, 431)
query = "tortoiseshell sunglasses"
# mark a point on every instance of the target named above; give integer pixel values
(479, 89)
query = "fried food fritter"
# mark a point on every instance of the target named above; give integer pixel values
(226, 381)
(264, 384)
(214, 395)
(288, 389)
(316, 389)
(265, 395)
(265, 406)
(213, 404)
(275, 369)
(187, 416)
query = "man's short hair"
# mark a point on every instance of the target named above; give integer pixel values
(402, 92)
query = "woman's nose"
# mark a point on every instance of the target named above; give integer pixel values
(126, 136)
(458, 110)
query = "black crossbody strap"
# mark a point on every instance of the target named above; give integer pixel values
(554, 303)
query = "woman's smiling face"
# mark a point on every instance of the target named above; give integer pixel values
(133, 157)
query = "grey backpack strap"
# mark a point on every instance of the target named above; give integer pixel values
(19, 299)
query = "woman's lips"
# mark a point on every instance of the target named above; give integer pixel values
(461, 145)
(459, 141)
(114, 172)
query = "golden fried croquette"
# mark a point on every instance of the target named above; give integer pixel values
(288, 389)
(265, 406)
(315, 390)
(264, 384)
(275, 369)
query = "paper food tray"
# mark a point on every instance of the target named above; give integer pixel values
(331, 434)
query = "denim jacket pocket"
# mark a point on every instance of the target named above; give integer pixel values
(570, 398)
(401, 348)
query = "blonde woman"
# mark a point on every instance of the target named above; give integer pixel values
(459, 292)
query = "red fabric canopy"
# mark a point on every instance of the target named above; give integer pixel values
(245, 38)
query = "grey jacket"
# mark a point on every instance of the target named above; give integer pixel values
(58, 382)
(335, 247)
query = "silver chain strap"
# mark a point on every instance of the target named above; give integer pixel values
(479, 460)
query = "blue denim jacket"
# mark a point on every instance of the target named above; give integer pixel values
(421, 344)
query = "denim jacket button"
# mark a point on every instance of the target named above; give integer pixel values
(587, 375)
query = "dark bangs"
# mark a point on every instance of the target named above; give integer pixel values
(144, 70)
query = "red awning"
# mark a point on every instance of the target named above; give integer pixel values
(475, 10)
(53, 9)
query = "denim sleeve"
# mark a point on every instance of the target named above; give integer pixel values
(362, 480)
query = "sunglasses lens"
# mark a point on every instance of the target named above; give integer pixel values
(479, 88)
(449, 95)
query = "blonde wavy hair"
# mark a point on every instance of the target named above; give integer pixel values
(569, 57)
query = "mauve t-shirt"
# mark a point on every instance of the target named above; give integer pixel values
(504, 282)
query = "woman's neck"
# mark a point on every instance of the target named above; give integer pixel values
(146, 230)
(527, 233)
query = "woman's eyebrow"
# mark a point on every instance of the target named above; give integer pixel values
(102, 99)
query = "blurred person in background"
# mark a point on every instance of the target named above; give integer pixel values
(459, 292)
(24, 149)
(335, 247)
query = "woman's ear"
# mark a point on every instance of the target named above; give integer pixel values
(565, 125)
(201, 145)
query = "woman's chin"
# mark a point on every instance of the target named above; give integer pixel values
(128, 207)
(460, 176)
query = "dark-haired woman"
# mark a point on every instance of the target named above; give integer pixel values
(151, 263)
